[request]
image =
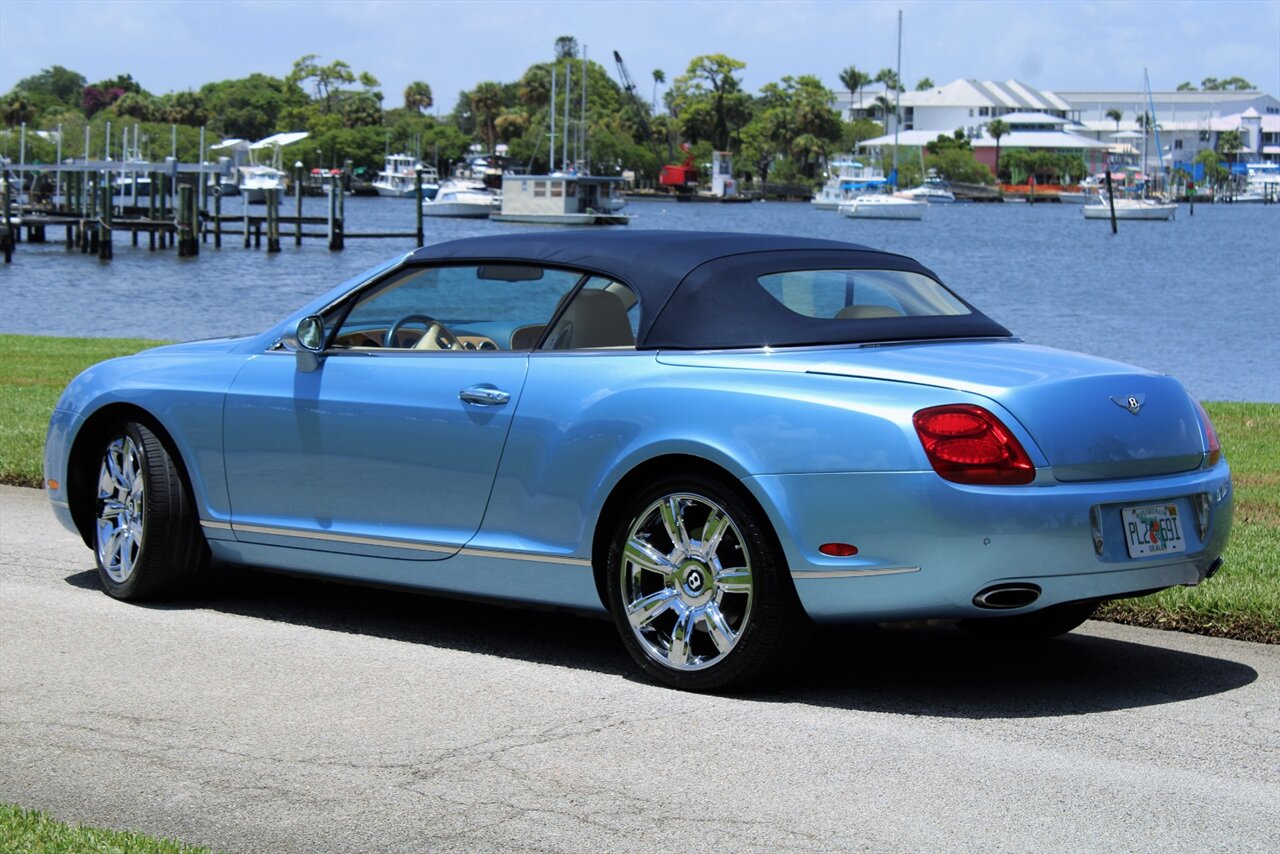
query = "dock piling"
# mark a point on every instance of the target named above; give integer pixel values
(417, 195)
(6, 233)
(273, 220)
(104, 220)
(297, 193)
(188, 245)
(1111, 200)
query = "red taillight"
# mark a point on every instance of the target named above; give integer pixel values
(967, 444)
(1210, 437)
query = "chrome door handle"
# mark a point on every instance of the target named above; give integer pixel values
(482, 396)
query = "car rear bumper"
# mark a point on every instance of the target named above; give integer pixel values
(926, 547)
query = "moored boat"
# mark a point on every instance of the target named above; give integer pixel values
(883, 207)
(846, 180)
(464, 199)
(564, 199)
(934, 191)
(398, 178)
(1130, 209)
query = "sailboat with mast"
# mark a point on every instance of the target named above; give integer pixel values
(1144, 208)
(888, 206)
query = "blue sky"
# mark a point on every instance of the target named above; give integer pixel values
(170, 45)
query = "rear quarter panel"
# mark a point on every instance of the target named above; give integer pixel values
(587, 419)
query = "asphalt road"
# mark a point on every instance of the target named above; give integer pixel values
(279, 714)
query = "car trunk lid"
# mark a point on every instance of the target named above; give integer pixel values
(1092, 418)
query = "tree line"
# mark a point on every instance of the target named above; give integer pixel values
(785, 132)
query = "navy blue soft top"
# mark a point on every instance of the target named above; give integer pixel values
(698, 290)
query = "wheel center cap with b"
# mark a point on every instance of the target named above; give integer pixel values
(695, 580)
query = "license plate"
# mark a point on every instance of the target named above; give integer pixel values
(1153, 530)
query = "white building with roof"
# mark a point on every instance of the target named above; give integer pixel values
(1076, 121)
(1188, 121)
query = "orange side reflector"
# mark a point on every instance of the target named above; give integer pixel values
(53, 485)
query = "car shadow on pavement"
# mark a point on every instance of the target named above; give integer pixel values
(917, 669)
(938, 670)
(516, 632)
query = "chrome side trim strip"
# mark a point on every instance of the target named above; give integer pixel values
(396, 544)
(855, 573)
(343, 538)
(569, 561)
(215, 526)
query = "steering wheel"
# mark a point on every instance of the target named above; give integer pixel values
(436, 336)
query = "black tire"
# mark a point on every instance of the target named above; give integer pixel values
(726, 614)
(147, 538)
(1039, 625)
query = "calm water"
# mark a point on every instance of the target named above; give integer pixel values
(1198, 297)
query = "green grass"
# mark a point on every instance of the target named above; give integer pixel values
(1241, 601)
(33, 372)
(26, 831)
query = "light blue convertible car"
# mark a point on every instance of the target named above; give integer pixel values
(714, 438)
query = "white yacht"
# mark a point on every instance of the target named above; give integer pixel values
(883, 206)
(934, 191)
(846, 180)
(467, 199)
(398, 178)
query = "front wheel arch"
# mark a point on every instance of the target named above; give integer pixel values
(83, 460)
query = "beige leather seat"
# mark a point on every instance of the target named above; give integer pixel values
(594, 319)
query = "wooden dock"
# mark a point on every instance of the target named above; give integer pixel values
(180, 211)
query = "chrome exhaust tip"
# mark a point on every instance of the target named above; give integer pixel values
(1000, 597)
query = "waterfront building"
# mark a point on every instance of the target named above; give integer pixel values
(1077, 121)
(1189, 122)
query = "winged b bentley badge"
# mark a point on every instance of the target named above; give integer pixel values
(1133, 402)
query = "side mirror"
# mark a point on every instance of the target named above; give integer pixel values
(307, 341)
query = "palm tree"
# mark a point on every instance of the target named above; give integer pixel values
(997, 129)
(17, 108)
(1115, 116)
(486, 104)
(854, 80)
(884, 106)
(658, 77)
(1230, 143)
(889, 78)
(417, 96)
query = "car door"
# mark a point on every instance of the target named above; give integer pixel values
(390, 447)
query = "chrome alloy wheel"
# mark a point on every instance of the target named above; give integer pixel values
(121, 497)
(686, 581)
